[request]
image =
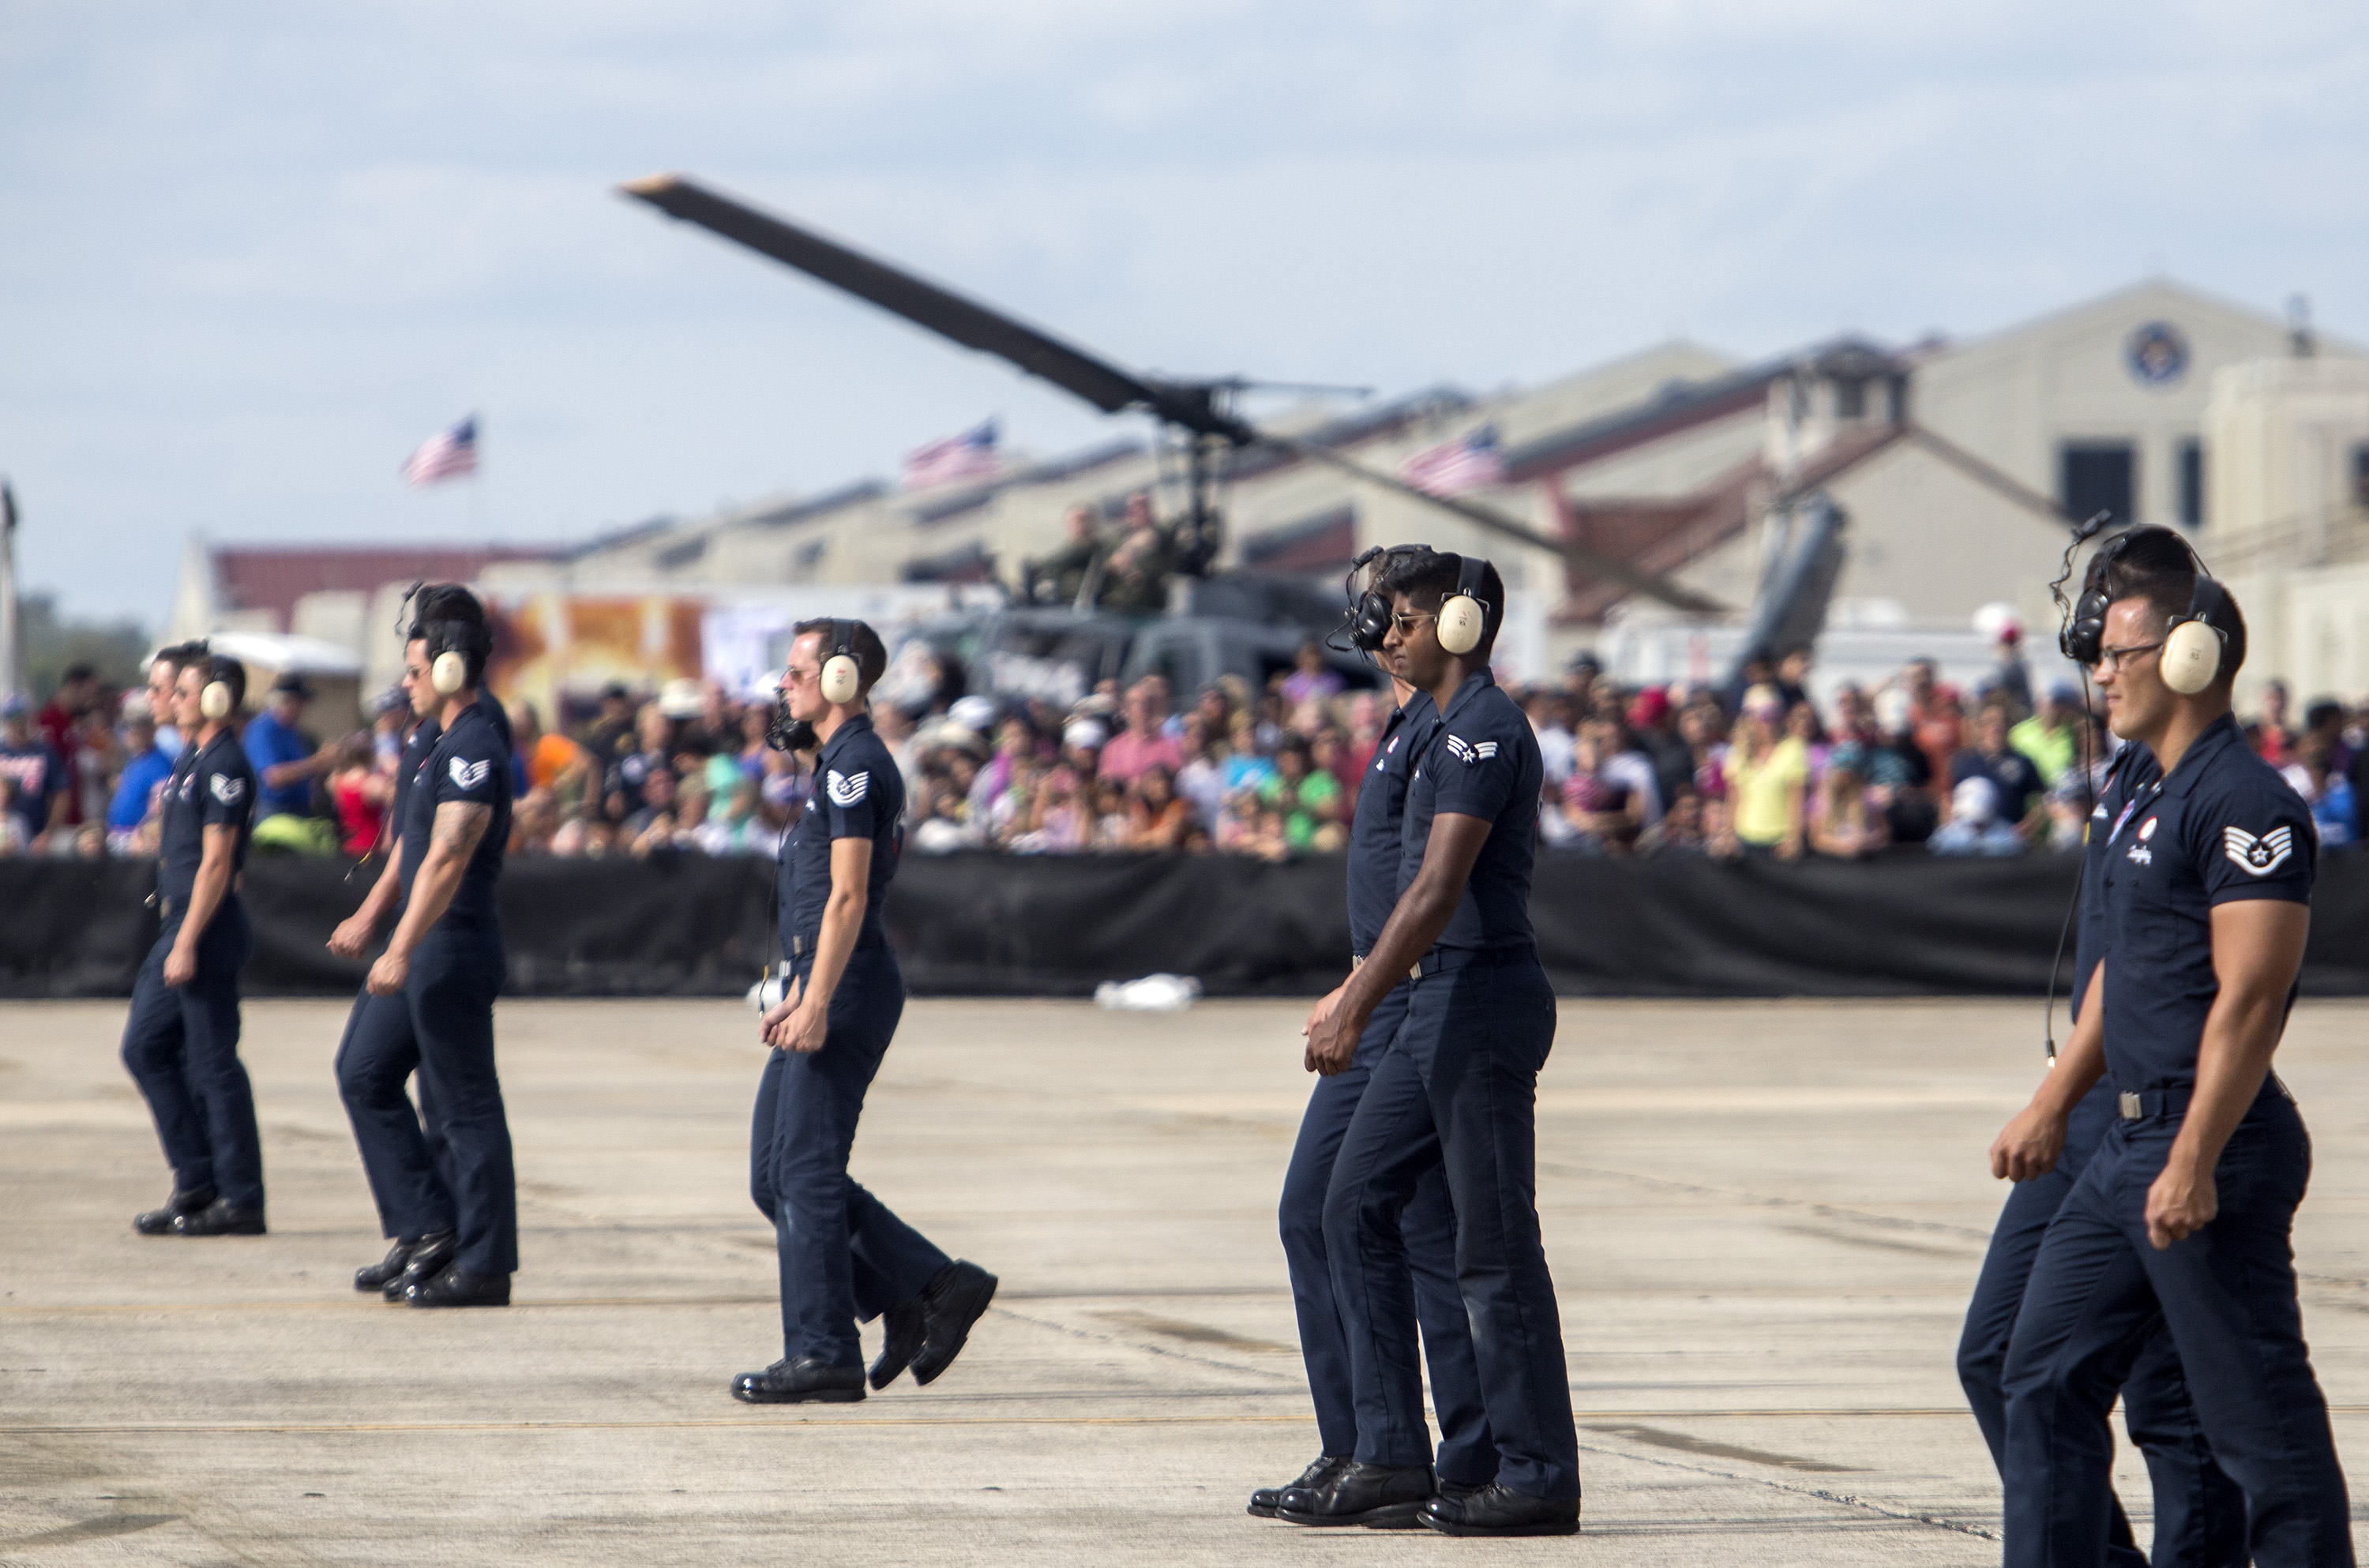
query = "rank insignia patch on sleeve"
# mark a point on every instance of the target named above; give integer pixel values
(2259, 856)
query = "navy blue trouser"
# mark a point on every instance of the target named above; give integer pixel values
(404, 1151)
(1456, 1091)
(2200, 1514)
(180, 1044)
(843, 1256)
(447, 1009)
(1425, 1267)
(2099, 1292)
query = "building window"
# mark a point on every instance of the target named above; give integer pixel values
(2361, 474)
(2192, 482)
(1851, 400)
(2095, 476)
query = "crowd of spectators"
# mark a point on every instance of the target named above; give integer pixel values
(1757, 767)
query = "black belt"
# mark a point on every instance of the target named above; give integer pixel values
(1441, 959)
(2172, 1099)
(2168, 1101)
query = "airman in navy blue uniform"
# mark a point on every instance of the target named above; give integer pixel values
(181, 1041)
(2182, 1220)
(1467, 1459)
(2199, 1515)
(1455, 1091)
(403, 1153)
(431, 994)
(843, 1256)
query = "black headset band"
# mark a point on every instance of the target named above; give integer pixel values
(1469, 572)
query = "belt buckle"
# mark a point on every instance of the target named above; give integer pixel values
(2133, 1110)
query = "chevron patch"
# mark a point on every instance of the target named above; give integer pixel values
(228, 790)
(2260, 856)
(846, 789)
(1468, 752)
(471, 776)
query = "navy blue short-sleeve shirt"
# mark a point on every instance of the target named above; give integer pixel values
(1374, 831)
(2223, 826)
(211, 786)
(468, 764)
(1480, 760)
(2131, 774)
(859, 793)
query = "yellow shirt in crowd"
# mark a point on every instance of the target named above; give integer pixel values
(1766, 796)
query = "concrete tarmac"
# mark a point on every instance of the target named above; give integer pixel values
(1763, 1219)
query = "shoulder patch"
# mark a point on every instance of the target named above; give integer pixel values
(2260, 856)
(471, 776)
(228, 790)
(847, 789)
(1470, 752)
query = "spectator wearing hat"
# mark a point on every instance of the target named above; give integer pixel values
(1145, 740)
(34, 767)
(146, 766)
(2009, 680)
(284, 757)
(1654, 731)
(2012, 774)
(2052, 738)
(1975, 827)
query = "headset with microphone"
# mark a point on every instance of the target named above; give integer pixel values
(1463, 615)
(1367, 621)
(2192, 648)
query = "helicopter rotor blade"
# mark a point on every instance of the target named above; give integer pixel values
(926, 305)
(1594, 563)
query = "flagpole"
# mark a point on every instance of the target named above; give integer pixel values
(12, 629)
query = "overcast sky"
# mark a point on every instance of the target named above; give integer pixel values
(254, 254)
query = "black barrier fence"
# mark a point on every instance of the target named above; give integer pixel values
(1036, 925)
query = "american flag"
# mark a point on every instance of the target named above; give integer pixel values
(444, 456)
(1467, 462)
(971, 455)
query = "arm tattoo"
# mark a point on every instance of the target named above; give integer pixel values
(458, 825)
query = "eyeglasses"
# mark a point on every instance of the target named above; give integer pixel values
(1407, 623)
(2112, 658)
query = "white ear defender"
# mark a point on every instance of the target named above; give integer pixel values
(840, 676)
(1463, 616)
